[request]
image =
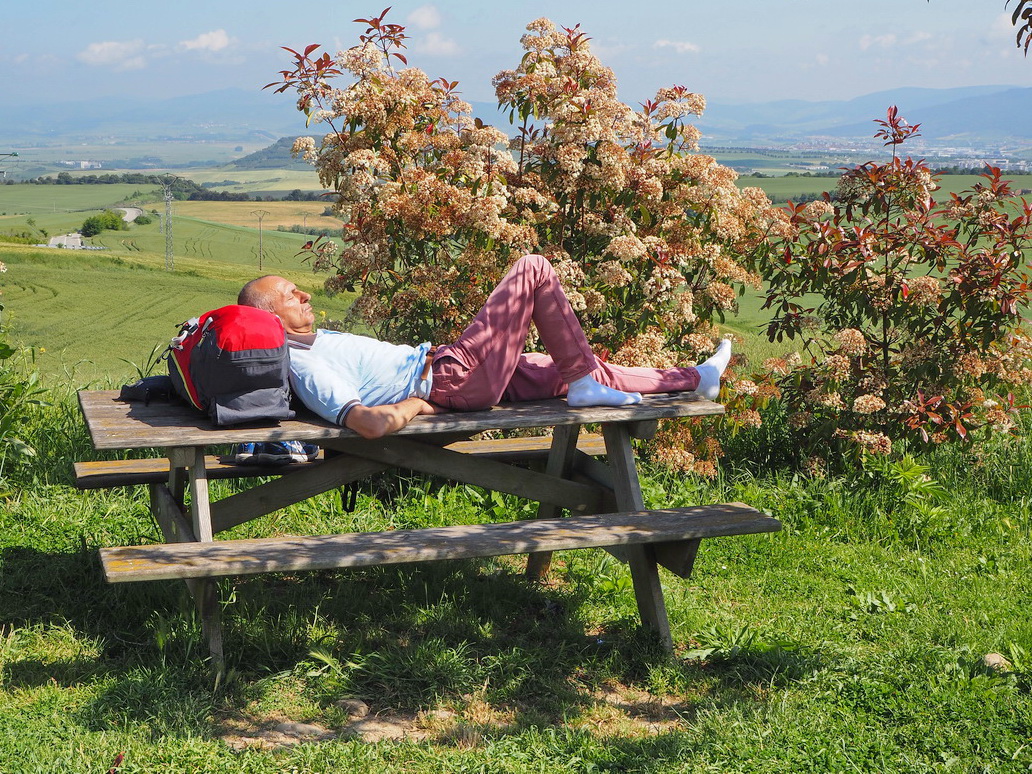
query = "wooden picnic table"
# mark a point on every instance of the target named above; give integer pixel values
(604, 499)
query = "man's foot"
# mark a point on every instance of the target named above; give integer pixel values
(284, 452)
(711, 370)
(244, 453)
(587, 392)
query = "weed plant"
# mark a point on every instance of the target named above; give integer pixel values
(852, 640)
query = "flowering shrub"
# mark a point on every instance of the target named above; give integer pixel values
(915, 331)
(651, 240)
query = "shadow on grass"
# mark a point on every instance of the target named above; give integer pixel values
(404, 638)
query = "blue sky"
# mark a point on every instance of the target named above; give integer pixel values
(746, 51)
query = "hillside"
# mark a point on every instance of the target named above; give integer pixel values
(275, 156)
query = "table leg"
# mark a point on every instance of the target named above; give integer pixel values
(203, 590)
(642, 559)
(560, 465)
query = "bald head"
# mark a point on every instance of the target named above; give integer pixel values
(256, 293)
(281, 297)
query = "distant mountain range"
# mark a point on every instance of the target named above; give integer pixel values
(971, 115)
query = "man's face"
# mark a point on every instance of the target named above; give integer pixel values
(290, 304)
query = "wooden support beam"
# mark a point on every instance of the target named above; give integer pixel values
(559, 465)
(177, 529)
(252, 503)
(648, 592)
(405, 453)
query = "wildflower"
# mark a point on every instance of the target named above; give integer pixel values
(699, 343)
(837, 367)
(646, 349)
(800, 420)
(816, 467)
(594, 302)
(868, 404)
(722, 295)
(817, 209)
(851, 342)
(613, 273)
(626, 248)
(969, 365)
(923, 291)
(744, 386)
(749, 418)
(705, 468)
(830, 400)
(876, 443)
(999, 419)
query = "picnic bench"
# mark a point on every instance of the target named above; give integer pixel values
(604, 499)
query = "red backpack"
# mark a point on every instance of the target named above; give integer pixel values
(232, 363)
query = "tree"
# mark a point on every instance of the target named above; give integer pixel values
(652, 240)
(108, 220)
(911, 310)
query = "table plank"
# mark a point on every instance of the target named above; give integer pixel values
(114, 424)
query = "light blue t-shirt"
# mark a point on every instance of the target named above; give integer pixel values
(342, 370)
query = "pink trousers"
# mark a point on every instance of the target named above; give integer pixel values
(487, 365)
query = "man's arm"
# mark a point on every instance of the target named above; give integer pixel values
(378, 421)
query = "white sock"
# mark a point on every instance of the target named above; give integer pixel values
(587, 392)
(712, 369)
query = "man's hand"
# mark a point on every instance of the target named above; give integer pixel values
(378, 421)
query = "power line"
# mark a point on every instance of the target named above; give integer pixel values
(166, 184)
(260, 214)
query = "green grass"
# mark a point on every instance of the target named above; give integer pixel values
(853, 640)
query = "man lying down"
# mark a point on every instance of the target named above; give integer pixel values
(376, 388)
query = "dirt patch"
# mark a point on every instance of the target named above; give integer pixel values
(614, 710)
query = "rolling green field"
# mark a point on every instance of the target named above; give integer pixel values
(780, 189)
(124, 303)
(258, 181)
(44, 159)
(51, 200)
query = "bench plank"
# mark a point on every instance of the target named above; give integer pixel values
(364, 549)
(110, 473)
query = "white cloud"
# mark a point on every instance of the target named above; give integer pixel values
(1002, 26)
(426, 17)
(919, 37)
(216, 40)
(121, 55)
(680, 46)
(434, 44)
(823, 60)
(880, 41)
(606, 50)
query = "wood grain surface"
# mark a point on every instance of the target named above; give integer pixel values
(363, 549)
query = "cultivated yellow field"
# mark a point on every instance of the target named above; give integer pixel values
(242, 214)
